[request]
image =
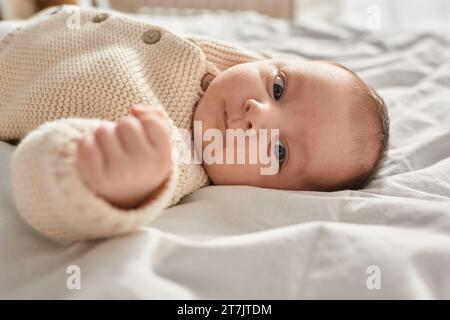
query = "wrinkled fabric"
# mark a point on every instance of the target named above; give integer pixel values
(246, 242)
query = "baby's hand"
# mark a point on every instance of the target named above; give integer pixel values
(127, 162)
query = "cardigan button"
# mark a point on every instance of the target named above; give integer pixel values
(151, 36)
(206, 80)
(100, 17)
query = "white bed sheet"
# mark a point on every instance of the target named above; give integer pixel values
(245, 242)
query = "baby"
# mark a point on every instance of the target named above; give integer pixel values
(333, 132)
(105, 118)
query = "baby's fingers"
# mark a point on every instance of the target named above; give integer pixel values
(139, 110)
(131, 133)
(108, 143)
(157, 132)
(90, 162)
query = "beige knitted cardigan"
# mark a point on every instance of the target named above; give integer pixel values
(59, 81)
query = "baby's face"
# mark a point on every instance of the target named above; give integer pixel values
(310, 103)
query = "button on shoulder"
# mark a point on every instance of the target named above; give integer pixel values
(100, 17)
(151, 36)
(206, 80)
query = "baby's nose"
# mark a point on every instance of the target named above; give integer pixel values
(256, 114)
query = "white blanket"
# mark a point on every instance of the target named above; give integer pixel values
(391, 240)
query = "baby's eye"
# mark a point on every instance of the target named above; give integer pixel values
(278, 87)
(280, 151)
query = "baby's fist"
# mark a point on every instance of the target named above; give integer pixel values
(127, 162)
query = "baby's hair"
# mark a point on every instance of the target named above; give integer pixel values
(364, 177)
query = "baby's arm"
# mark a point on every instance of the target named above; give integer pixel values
(52, 197)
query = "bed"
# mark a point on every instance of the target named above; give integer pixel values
(388, 241)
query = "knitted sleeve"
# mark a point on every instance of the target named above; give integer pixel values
(52, 198)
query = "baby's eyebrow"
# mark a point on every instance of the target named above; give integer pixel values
(293, 85)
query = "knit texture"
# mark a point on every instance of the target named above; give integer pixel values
(59, 82)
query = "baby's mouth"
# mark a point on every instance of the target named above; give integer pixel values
(225, 118)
